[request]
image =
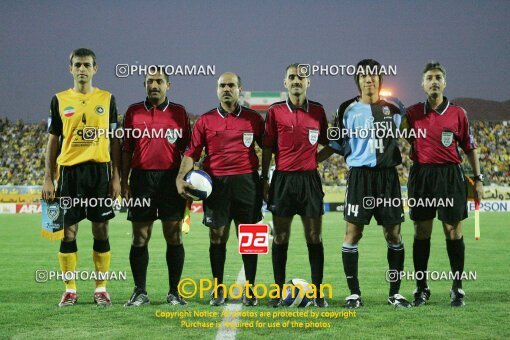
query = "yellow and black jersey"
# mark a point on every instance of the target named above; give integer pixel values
(82, 122)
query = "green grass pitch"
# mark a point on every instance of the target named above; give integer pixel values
(29, 309)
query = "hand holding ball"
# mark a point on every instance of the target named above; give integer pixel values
(201, 182)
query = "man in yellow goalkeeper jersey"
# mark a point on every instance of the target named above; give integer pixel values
(85, 165)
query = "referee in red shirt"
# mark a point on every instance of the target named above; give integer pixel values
(437, 173)
(228, 133)
(293, 131)
(156, 134)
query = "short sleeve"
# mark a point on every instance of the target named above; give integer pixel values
(186, 133)
(338, 143)
(196, 145)
(128, 143)
(54, 120)
(323, 136)
(465, 138)
(270, 131)
(113, 113)
(259, 129)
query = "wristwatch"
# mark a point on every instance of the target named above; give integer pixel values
(478, 178)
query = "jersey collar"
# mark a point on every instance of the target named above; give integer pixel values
(224, 112)
(162, 106)
(292, 107)
(441, 109)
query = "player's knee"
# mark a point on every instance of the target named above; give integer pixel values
(216, 240)
(453, 234)
(141, 239)
(313, 237)
(392, 238)
(422, 230)
(172, 232)
(281, 238)
(392, 235)
(100, 231)
(174, 238)
(69, 235)
(218, 236)
(422, 234)
(353, 237)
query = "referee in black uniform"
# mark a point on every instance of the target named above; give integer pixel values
(293, 130)
(228, 133)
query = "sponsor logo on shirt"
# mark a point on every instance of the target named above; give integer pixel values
(99, 110)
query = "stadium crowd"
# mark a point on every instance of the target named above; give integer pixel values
(23, 147)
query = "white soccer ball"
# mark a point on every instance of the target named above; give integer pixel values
(294, 294)
(202, 183)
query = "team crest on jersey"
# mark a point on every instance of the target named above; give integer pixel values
(99, 110)
(313, 136)
(447, 138)
(171, 136)
(69, 111)
(247, 138)
(386, 110)
(53, 211)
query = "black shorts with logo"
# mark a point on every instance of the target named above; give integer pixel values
(159, 186)
(296, 193)
(445, 183)
(234, 197)
(85, 181)
(364, 186)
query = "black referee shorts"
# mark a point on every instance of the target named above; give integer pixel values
(85, 181)
(441, 182)
(234, 197)
(364, 187)
(296, 193)
(159, 186)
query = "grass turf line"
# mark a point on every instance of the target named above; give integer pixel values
(29, 308)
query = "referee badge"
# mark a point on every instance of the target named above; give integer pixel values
(247, 138)
(447, 138)
(171, 136)
(313, 136)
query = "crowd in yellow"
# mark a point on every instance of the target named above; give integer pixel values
(23, 147)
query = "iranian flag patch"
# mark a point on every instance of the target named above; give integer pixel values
(69, 111)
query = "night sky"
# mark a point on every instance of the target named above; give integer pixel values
(256, 39)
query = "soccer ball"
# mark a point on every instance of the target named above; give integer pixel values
(202, 183)
(295, 294)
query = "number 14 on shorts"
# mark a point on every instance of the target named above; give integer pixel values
(253, 239)
(352, 209)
